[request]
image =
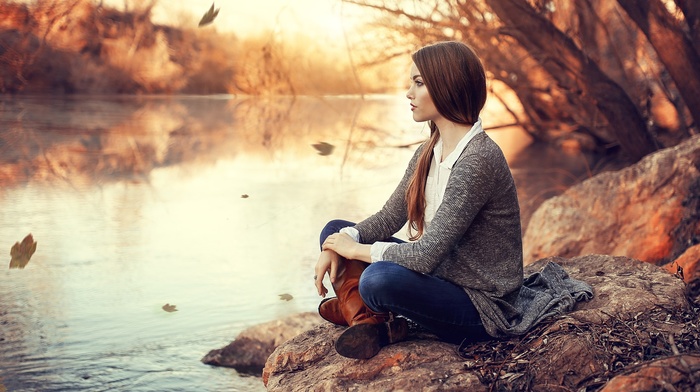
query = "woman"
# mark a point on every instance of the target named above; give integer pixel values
(461, 272)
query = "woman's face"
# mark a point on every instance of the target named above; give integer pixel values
(422, 104)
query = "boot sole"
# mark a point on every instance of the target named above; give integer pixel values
(362, 341)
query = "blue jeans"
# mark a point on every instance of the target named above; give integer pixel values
(440, 306)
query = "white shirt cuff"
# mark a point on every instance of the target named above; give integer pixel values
(352, 232)
(376, 251)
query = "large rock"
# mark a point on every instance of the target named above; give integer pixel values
(249, 351)
(634, 304)
(688, 263)
(680, 373)
(649, 211)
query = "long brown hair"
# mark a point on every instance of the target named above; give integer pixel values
(456, 82)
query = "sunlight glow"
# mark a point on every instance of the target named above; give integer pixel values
(318, 18)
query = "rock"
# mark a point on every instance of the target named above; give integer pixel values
(309, 362)
(688, 262)
(622, 286)
(649, 211)
(635, 304)
(679, 373)
(252, 347)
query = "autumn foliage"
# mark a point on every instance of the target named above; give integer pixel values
(80, 46)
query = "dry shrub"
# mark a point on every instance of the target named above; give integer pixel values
(208, 60)
(79, 46)
(150, 67)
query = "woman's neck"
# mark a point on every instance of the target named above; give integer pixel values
(451, 133)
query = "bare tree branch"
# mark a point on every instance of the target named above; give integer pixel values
(571, 67)
(672, 45)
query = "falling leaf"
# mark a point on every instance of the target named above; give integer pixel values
(21, 253)
(209, 16)
(244, 196)
(324, 148)
(169, 308)
(286, 297)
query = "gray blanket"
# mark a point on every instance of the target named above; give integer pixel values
(549, 292)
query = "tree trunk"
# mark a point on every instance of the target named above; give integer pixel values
(673, 47)
(560, 56)
(691, 11)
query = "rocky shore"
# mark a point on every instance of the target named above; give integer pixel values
(639, 316)
(632, 234)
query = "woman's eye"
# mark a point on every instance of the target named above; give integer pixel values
(419, 83)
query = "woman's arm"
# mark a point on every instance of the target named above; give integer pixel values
(345, 246)
(394, 214)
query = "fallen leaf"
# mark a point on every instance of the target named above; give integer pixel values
(209, 16)
(169, 308)
(21, 253)
(286, 297)
(324, 148)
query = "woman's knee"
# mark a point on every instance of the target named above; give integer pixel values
(332, 227)
(377, 278)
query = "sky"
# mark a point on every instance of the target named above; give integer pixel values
(245, 17)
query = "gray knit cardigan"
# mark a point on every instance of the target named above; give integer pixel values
(474, 240)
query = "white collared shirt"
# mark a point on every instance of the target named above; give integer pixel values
(435, 187)
(440, 172)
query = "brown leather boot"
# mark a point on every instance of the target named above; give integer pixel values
(363, 341)
(348, 308)
(369, 331)
(329, 309)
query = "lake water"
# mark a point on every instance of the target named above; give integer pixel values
(212, 204)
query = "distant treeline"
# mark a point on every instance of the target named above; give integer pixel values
(84, 47)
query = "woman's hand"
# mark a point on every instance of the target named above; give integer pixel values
(329, 262)
(346, 246)
(342, 244)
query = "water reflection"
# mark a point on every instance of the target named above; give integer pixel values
(96, 139)
(137, 202)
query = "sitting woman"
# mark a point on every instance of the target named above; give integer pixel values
(460, 276)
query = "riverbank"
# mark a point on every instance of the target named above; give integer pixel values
(86, 47)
